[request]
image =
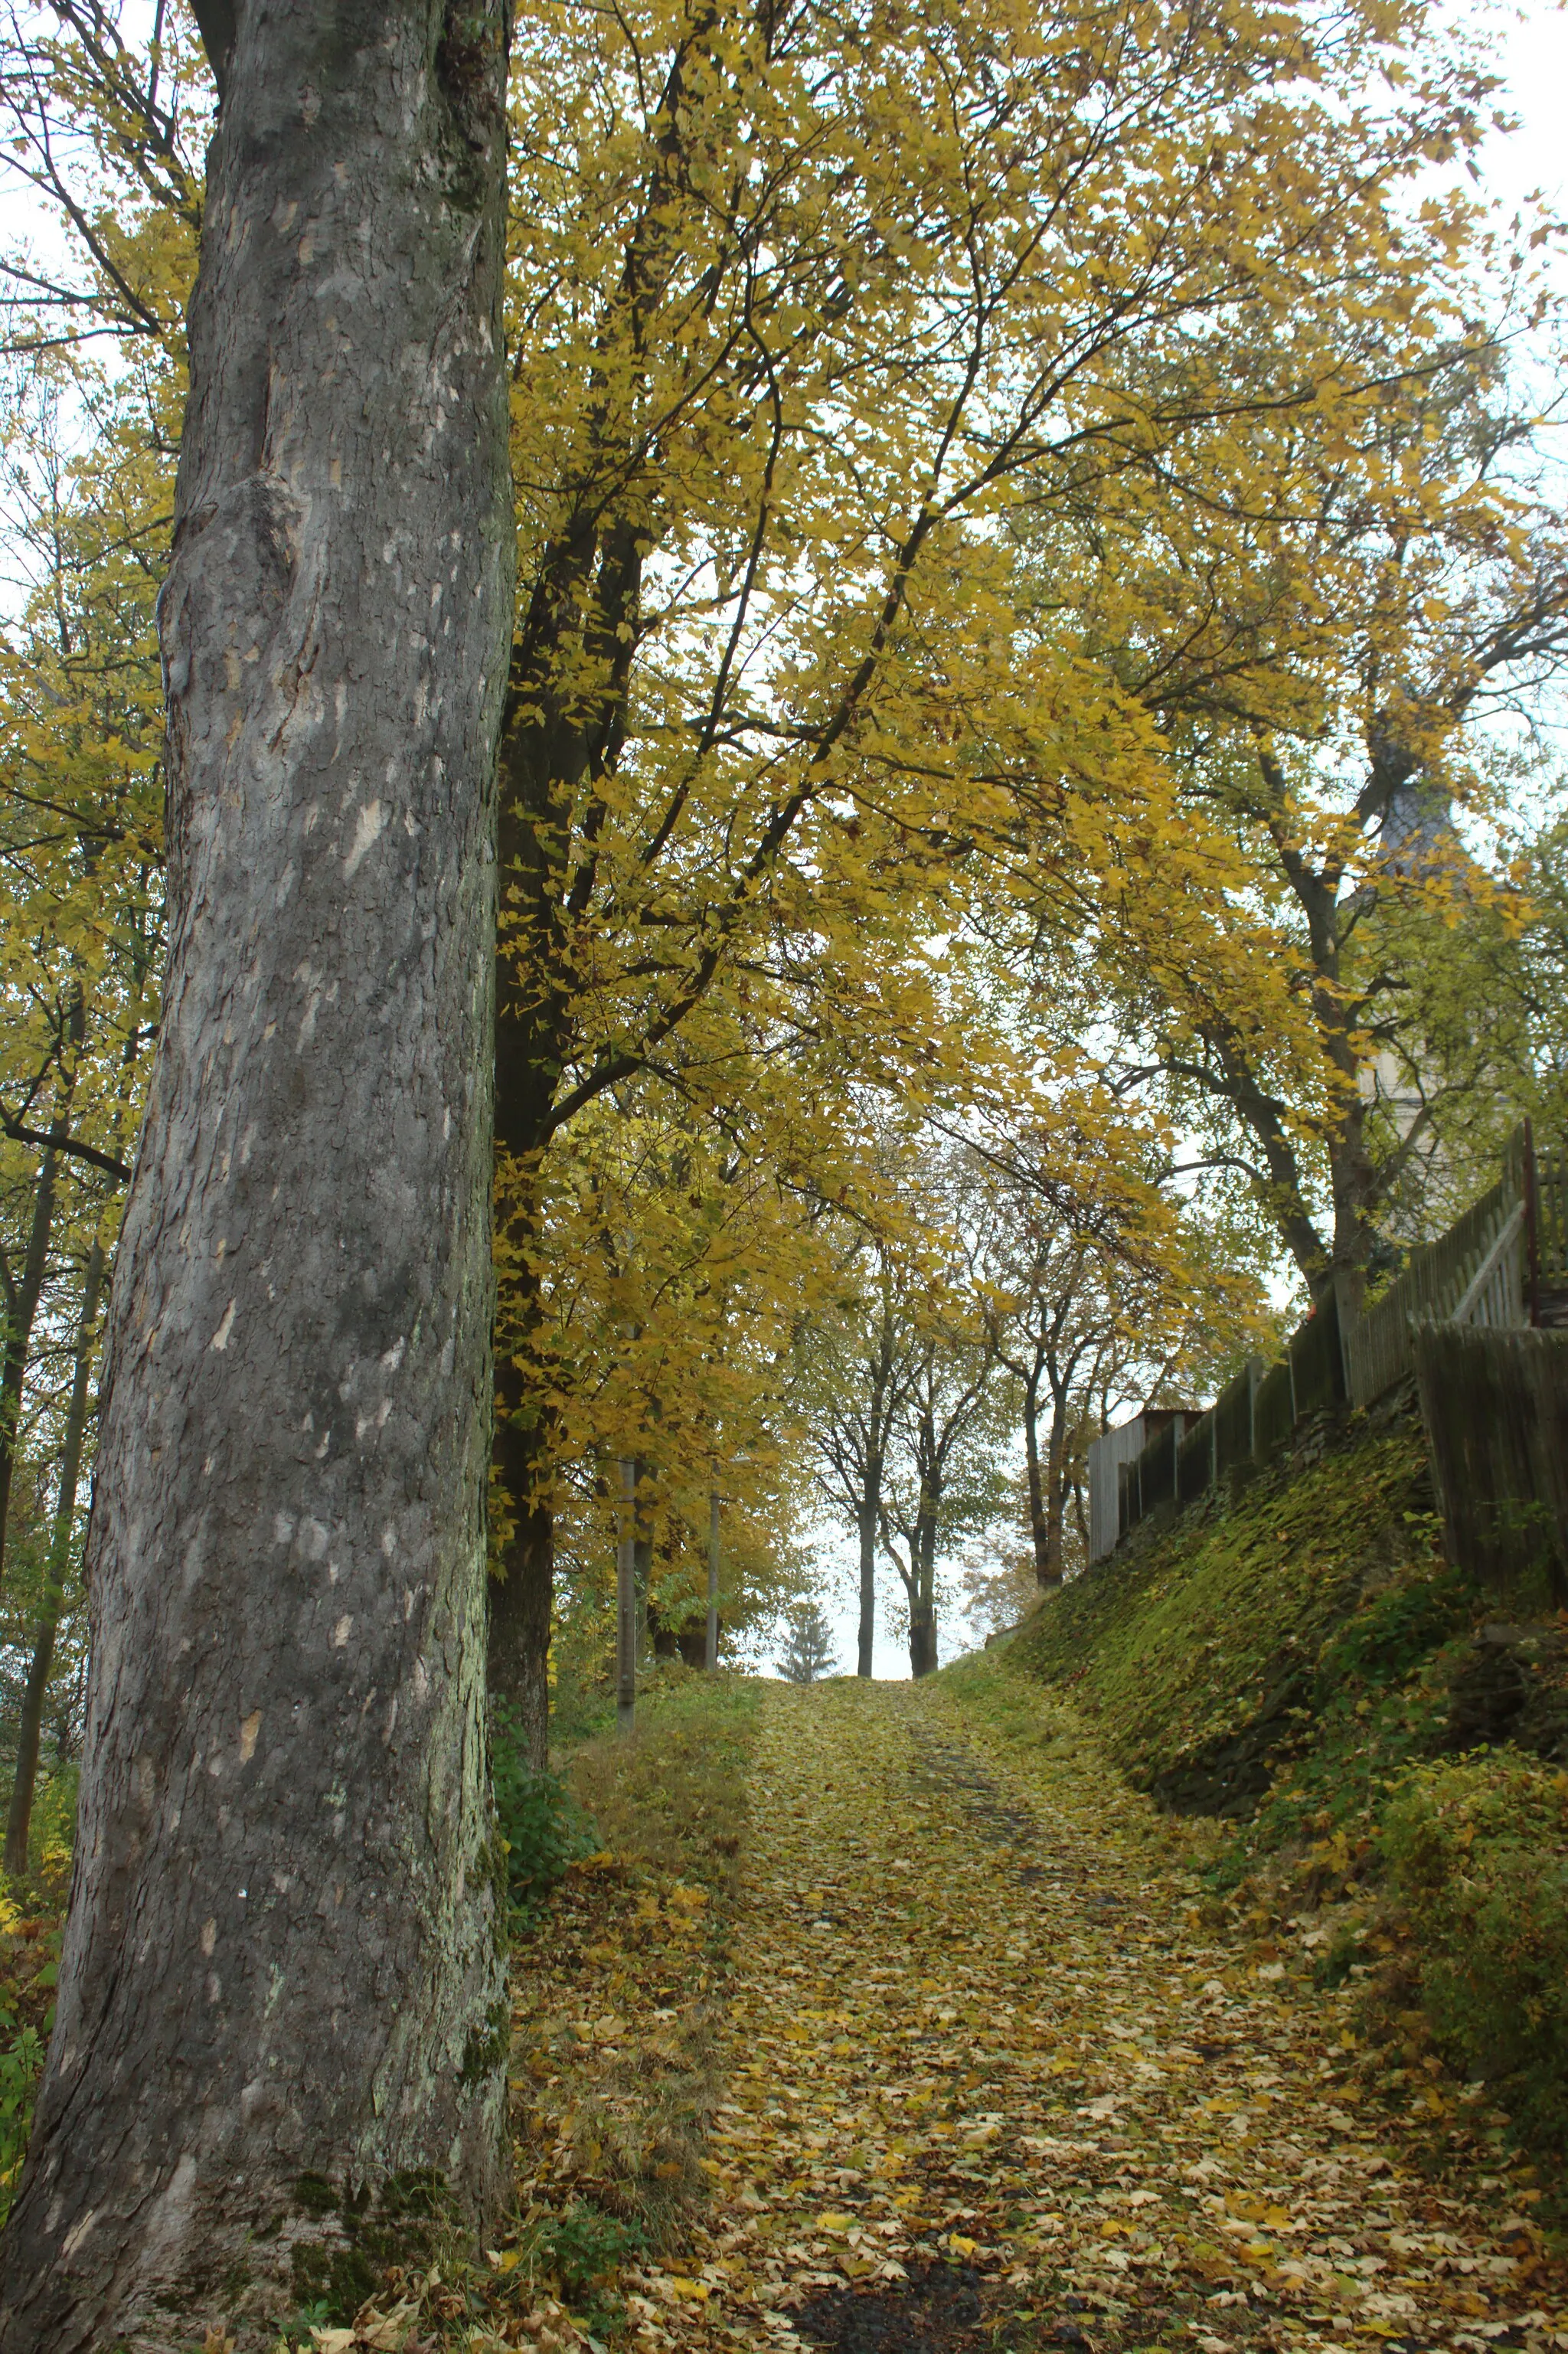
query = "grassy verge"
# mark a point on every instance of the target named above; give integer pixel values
(615, 1998)
(1366, 1769)
(624, 1874)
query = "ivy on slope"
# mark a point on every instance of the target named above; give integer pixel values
(1204, 1646)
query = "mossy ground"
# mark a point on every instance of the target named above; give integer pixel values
(1199, 1647)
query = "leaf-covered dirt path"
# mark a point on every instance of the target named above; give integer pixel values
(988, 2082)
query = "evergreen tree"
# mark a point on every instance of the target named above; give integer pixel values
(808, 1654)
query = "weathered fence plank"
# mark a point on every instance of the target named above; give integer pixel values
(1545, 1172)
(1496, 1409)
(1380, 1350)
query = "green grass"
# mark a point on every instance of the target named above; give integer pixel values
(672, 1796)
(1477, 1853)
(1198, 1629)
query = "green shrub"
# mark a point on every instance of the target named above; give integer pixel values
(544, 1830)
(53, 1830)
(1476, 1850)
(21, 2064)
(1393, 1632)
(581, 2248)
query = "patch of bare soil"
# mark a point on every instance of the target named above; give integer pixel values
(936, 2311)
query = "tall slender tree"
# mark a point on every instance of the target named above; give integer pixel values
(23, 1288)
(944, 1478)
(863, 1363)
(282, 1959)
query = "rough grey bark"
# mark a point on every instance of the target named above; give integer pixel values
(281, 1984)
(19, 1816)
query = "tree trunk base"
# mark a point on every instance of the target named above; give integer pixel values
(923, 1647)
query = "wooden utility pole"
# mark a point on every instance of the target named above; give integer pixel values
(626, 1602)
(713, 1578)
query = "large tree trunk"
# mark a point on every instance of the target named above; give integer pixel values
(554, 736)
(21, 1308)
(528, 1034)
(282, 1990)
(19, 1818)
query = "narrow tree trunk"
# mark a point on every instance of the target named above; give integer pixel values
(642, 1547)
(710, 1646)
(522, 1600)
(1039, 1524)
(1355, 1184)
(869, 1520)
(21, 1308)
(18, 1821)
(923, 1595)
(282, 1990)
(1056, 1498)
(626, 1603)
(879, 1408)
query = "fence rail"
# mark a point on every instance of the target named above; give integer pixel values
(1493, 1293)
(1381, 1347)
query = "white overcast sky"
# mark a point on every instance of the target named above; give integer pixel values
(1535, 61)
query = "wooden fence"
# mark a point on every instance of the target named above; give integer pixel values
(1381, 1345)
(1495, 1405)
(1490, 1273)
(1544, 1190)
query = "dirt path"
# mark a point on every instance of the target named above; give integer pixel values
(990, 2084)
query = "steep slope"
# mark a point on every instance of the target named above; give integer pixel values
(1211, 1643)
(1376, 1744)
